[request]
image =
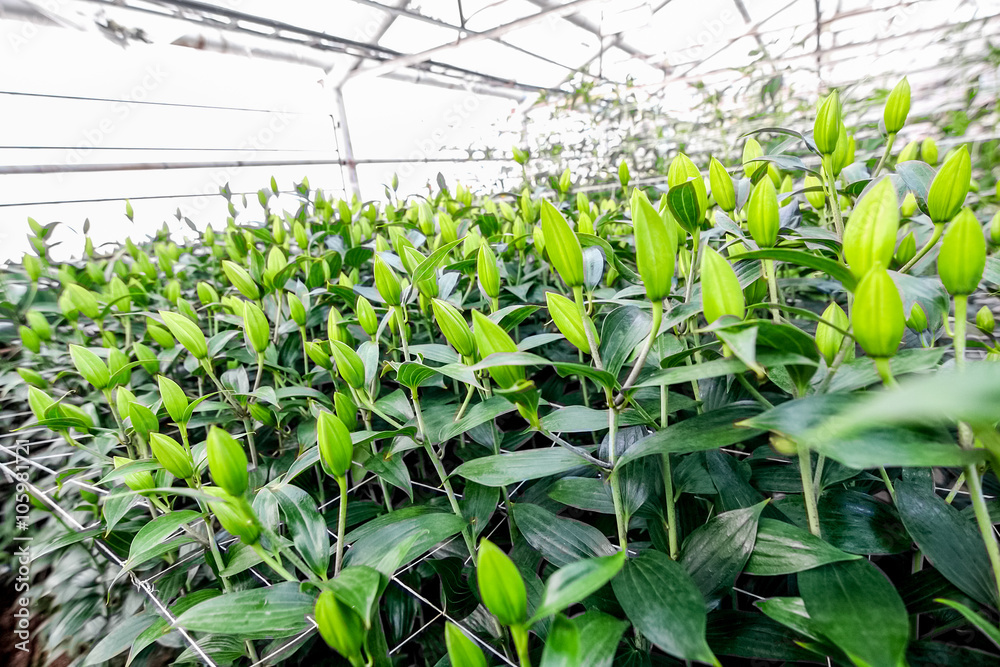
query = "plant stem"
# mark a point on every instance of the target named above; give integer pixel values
(260, 373)
(588, 328)
(831, 182)
(772, 288)
(668, 480)
(885, 154)
(938, 230)
(753, 391)
(272, 563)
(616, 493)
(808, 494)
(401, 325)
(961, 315)
(885, 372)
(520, 635)
(465, 403)
(305, 357)
(341, 524)
(640, 361)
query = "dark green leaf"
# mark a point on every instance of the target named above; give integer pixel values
(277, 611)
(782, 548)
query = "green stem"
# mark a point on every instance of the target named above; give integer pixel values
(885, 155)
(772, 288)
(465, 403)
(616, 493)
(935, 236)
(401, 325)
(668, 480)
(961, 315)
(588, 328)
(272, 563)
(808, 494)
(260, 372)
(305, 357)
(831, 183)
(753, 391)
(341, 524)
(520, 635)
(885, 372)
(644, 352)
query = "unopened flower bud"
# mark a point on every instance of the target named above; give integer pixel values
(257, 328)
(870, 233)
(562, 245)
(828, 338)
(721, 293)
(486, 268)
(906, 250)
(349, 364)
(387, 282)
(929, 151)
(897, 107)
(826, 129)
(90, 366)
(566, 316)
(763, 218)
(878, 314)
(227, 462)
(722, 186)
(454, 327)
(335, 447)
(985, 320)
(136, 481)
(815, 194)
(366, 315)
(340, 626)
(234, 514)
(909, 205)
(752, 151)
(950, 186)
(171, 455)
(492, 339)
(655, 247)
(84, 301)
(962, 258)
(187, 333)
(241, 280)
(918, 318)
(345, 410)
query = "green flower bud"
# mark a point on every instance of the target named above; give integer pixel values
(950, 186)
(682, 170)
(870, 232)
(187, 333)
(83, 421)
(412, 258)
(842, 155)
(318, 355)
(207, 294)
(566, 316)
(878, 314)
(562, 245)
(119, 294)
(241, 280)
(235, 515)
(90, 366)
(815, 197)
(29, 339)
(162, 337)
(721, 293)
(909, 152)
(985, 320)
(171, 455)
(136, 481)
(486, 268)
(929, 151)
(150, 362)
(144, 421)
(349, 364)
(366, 315)
(623, 174)
(172, 291)
(897, 107)
(33, 378)
(227, 462)
(462, 651)
(118, 366)
(346, 410)
(39, 402)
(32, 266)
(124, 398)
(387, 283)
(763, 218)
(454, 327)
(826, 129)
(341, 627)
(174, 400)
(918, 318)
(335, 447)
(84, 301)
(260, 412)
(492, 339)
(828, 339)
(909, 205)
(500, 585)
(539, 240)
(995, 229)
(906, 250)
(257, 328)
(655, 247)
(296, 310)
(752, 151)
(962, 258)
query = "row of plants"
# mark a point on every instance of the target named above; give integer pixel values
(740, 417)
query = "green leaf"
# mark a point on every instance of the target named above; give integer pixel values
(426, 268)
(426, 531)
(584, 493)
(984, 626)
(599, 637)
(665, 605)
(858, 609)
(719, 368)
(715, 553)
(116, 505)
(160, 627)
(158, 530)
(576, 581)
(562, 646)
(623, 329)
(277, 611)
(119, 638)
(755, 637)
(948, 539)
(411, 374)
(480, 413)
(359, 587)
(831, 267)
(791, 612)
(782, 548)
(560, 540)
(575, 419)
(683, 202)
(306, 527)
(478, 504)
(504, 469)
(710, 430)
(852, 521)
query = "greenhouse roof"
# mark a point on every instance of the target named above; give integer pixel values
(178, 97)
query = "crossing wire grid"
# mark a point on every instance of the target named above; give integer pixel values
(431, 612)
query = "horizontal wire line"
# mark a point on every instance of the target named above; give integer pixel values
(82, 98)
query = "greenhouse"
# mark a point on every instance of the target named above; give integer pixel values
(500, 332)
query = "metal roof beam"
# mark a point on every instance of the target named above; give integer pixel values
(413, 59)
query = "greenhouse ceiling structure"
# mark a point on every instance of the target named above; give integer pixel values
(164, 102)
